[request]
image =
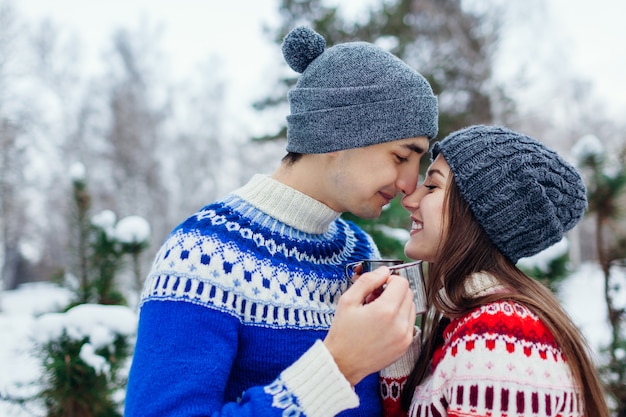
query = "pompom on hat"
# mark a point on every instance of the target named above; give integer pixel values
(524, 195)
(352, 95)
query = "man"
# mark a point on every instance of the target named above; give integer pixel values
(236, 312)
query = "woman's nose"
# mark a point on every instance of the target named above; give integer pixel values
(411, 201)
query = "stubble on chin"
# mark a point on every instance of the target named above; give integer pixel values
(370, 212)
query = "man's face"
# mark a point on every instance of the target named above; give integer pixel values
(363, 180)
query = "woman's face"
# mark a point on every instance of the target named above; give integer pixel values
(426, 206)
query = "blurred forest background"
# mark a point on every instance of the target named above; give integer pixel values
(160, 149)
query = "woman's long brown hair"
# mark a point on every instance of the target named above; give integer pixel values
(467, 249)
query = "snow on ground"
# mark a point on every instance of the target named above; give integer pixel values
(581, 294)
(19, 310)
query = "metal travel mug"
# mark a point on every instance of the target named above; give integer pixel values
(368, 265)
(414, 273)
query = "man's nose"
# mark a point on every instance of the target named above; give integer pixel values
(407, 180)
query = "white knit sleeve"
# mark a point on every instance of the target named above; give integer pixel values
(404, 365)
(320, 387)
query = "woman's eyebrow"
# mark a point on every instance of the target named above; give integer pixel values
(433, 171)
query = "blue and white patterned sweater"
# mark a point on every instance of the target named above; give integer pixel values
(235, 307)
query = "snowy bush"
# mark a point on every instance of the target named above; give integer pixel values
(85, 354)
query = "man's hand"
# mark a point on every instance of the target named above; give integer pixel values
(367, 333)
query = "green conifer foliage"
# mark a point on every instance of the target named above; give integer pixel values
(82, 377)
(606, 192)
(73, 387)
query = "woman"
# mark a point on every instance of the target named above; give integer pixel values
(496, 342)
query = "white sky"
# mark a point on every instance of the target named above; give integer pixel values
(592, 36)
(597, 35)
(575, 38)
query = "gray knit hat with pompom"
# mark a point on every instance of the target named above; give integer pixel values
(524, 195)
(352, 95)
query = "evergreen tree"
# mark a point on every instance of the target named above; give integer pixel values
(72, 386)
(98, 254)
(606, 192)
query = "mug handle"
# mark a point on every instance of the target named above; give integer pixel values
(350, 270)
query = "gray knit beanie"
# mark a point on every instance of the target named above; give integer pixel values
(524, 195)
(352, 95)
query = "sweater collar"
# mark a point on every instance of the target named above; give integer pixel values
(477, 285)
(287, 204)
(480, 284)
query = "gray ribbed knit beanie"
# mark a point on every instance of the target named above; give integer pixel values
(352, 95)
(523, 194)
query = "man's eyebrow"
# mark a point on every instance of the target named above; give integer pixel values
(415, 148)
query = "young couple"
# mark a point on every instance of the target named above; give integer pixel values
(247, 311)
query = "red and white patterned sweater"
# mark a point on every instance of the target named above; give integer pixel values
(499, 360)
